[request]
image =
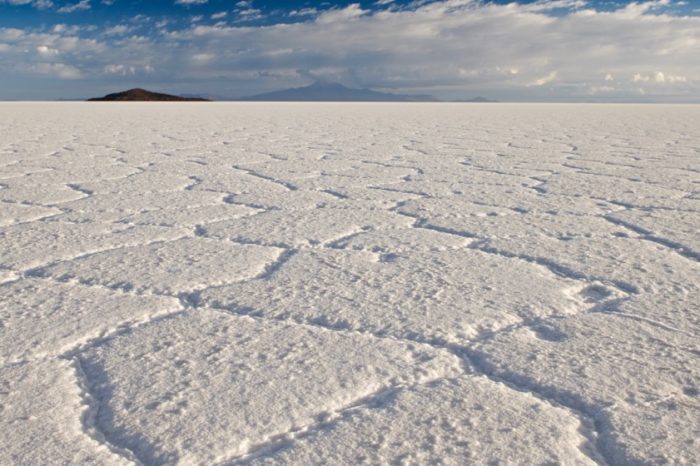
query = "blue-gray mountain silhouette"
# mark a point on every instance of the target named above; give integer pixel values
(333, 92)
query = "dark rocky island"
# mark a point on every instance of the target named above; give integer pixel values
(142, 95)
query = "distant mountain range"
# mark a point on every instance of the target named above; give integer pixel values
(142, 95)
(479, 99)
(317, 92)
(333, 92)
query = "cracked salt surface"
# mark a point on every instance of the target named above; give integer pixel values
(445, 422)
(220, 284)
(637, 381)
(435, 296)
(234, 382)
(42, 317)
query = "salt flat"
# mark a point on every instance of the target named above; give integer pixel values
(229, 283)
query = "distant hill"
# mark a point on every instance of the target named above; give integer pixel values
(334, 92)
(477, 99)
(142, 95)
(205, 96)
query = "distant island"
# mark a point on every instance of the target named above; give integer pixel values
(319, 91)
(142, 95)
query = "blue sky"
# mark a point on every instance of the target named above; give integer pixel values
(548, 50)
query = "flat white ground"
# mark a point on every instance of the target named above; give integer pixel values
(220, 284)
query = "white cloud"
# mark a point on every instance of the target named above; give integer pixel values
(593, 90)
(46, 51)
(72, 30)
(81, 5)
(119, 69)
(661, 77)
(117, 30)
(452, 48)
(127, 70)
(249, 14)
(61, 41)
(190, 2)
(219, 15)
(245, 12)
(38, 4)
(544, 80)
(203, 57)
(352, 11)
(304, 12)
(59, 70)
(549, 5)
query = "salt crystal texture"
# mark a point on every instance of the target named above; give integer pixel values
(260, 283)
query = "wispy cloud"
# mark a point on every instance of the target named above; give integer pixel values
(117, 30)
(246, 12)
(338, 15)
(38, 4)
(60, 70)
(304, 12)
(81, 5)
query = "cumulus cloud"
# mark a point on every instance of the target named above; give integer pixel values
(456, 47)
(46, 51)
(61, 43)
(558, 49)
